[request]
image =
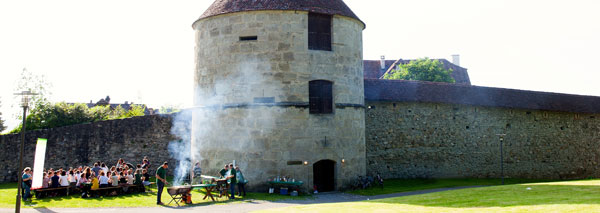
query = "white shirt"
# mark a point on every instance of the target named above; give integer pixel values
(63, 181)
(115, 180)
(103, 180)
(130, 179)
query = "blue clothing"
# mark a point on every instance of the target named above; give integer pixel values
(55, 183)
(26, 184)
(161, 186)
(96, 171)
(232, 186)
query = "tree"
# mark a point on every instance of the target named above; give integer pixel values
(29, 81)
(2, 127)
(47, 115)
(423, 69)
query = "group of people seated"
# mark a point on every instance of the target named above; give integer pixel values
(91, 178)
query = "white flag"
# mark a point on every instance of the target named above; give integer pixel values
(38, 166)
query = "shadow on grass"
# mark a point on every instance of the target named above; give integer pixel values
(504, 196)
(407, 185)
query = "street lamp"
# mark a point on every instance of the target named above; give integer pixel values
(501, 157)
(25, 96)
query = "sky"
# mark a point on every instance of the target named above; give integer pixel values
(142, 50)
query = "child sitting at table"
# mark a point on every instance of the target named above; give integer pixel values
(122, 178)
(46, 180)
(95, 182)
(114, 179)
(146, 177)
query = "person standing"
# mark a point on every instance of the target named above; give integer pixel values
(197, 173)
(231, 177)
(161, 180)
(241, 181)
(223, 171)
(26, 184)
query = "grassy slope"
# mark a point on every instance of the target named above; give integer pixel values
(572, 196)
(406, 185)
(8, 195)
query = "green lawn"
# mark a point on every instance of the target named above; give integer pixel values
(570, 196)
(8, 194)
(407, 185)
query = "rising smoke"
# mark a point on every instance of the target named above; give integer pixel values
(211, 125)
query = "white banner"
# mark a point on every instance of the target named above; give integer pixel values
(38, 166)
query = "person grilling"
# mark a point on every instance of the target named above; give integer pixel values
(161, 180)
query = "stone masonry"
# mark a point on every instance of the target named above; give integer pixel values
(429, 140)
(263, 137)
(84, 144)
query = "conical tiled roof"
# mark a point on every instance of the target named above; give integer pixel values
(331, 7)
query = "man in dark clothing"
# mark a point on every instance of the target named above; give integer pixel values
(161, 180)
(224, 171)
(231, 177)
(54, 180)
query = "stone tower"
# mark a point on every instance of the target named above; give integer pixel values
(279, 89)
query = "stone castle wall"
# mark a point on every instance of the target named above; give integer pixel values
(403, 140)
(278, 65)
(428, 140)
(84, 144)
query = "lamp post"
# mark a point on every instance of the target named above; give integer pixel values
(501, 157)
(25, 95)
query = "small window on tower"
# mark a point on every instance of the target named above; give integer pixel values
(319, 31)
(320, 95)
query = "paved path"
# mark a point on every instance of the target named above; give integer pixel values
(246, 206)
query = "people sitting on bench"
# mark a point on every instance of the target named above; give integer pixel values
(63, 179)
(54, 183)
(103, 179)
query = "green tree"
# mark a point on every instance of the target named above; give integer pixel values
(423, 69)
(47, 115)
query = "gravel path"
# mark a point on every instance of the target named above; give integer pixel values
(248, 206)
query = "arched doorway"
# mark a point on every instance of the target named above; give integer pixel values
(324, 175)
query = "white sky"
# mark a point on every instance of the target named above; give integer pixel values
(142, 50)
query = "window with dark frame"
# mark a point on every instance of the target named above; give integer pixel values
(319, 31)
(320, 93)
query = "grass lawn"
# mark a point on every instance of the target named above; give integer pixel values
(570, 196)
(407, 185)
(8, 194)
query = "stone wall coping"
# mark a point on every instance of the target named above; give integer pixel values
(434, 92)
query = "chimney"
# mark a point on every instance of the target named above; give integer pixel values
(456, 59)
(382, 63)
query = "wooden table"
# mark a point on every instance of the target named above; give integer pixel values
(209, 188)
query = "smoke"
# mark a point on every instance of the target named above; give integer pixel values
(220, 121)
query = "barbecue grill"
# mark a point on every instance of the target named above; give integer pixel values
(179, 193)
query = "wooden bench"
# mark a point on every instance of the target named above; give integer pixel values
(117, 190)
(106, 191)
(51, 192)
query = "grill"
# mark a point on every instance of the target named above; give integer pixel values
(179, 193)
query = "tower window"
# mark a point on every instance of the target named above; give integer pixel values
(320, 95)
(248, 38)
(319, 31)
